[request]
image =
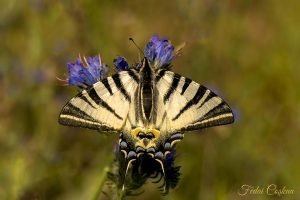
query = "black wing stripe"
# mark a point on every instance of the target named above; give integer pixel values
(107, 85)
(172, 88)
(214, 122)
(72, 110)
(209, 96)
(187, 82)
(71, 115)
(120, 86)
(222, 108)
(82, 97)
(160, 75)
(199, 94)
(95, 97)
(219, 115)
(133, 76)
(78, 123)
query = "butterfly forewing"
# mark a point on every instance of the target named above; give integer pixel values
(189, 105)
(104, 106)
(114, 104)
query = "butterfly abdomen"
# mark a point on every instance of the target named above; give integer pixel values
(146, 90)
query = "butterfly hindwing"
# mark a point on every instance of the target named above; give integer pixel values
(104, 106)
(189, 105)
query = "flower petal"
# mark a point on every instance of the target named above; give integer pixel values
(121, 63)
(83, 76)
(159, 51)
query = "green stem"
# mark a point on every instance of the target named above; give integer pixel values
(102, 181)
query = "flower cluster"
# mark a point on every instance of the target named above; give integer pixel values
(159, 51)
(86, 71)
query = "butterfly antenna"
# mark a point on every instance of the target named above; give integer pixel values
(131, 39)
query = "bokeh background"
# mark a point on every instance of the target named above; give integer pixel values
(247, 51)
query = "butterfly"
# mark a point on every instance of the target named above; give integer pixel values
(150, 107)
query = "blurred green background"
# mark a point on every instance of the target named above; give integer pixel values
(247, 51)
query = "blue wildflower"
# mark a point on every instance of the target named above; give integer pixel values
(159, 51)
(87, 71)
(121, 63)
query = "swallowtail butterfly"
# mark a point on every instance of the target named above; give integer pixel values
(150, 107)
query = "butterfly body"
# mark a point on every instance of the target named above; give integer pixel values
(150, 107)
(147, 105)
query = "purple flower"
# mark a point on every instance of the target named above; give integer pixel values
(121, 63)
(159, 51)
(86, 71)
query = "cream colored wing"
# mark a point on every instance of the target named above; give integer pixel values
(104, 106)
(184, 105)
